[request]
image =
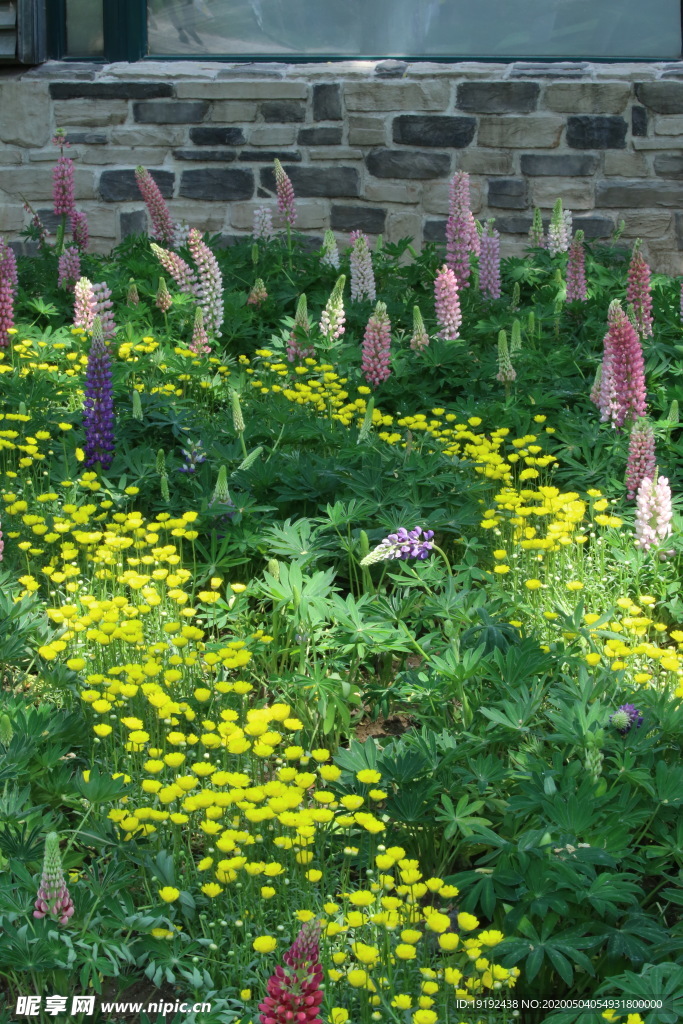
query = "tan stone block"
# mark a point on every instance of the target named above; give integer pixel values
(155, 135)
(247, 90)
(12, 155)
(101, 246)
(397, 96)
(230, 112)
(576, 193)
(626, 165)
(112, 155)
(463, 71)
(169, 71)
(272, 135)
(512, 246)
(207, 216)
(404, 224)
(25, 113)
(671, 125)
(670, 142)
(587, 97)
(36, 182)
(101, 219)
(485, 161)
(367, 131)
(647, 224)
(90, 113)
(311, 213)
(528, 131)
(390, 192)
(12, 218)
(626, 72)
(334, 153)
(664, 258)
(435, 197)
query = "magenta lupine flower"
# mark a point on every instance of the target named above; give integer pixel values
(420, 338)
(53, 899)
(461, 230)
(638, 291)
(69, 268)
(85, 304)
(377, 347)
(622, 388)
(162, 223)
(8, 291)
(297, 350)
(641, 455)
(163, 300)
(333, 316)
(63, 188)
(330, 254)
(294, 991)
(447, 303)
(403, 544)
(362, 274)
(181, 272)
(263, 223)
(653, 514)
(210, 282)
(98, 407)
(286, 202)
(576, 270)
(258, 293)
(79, 229)
(103, 308)
(489, 261)
(200, 341)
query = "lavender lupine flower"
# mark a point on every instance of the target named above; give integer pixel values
(638, 291)
(506, 371)
(258, 293)
(98, 408)
(403, 544)
(447, 304)
(558, 233)
(297, 350)
(576, 270)
(8, 291)
(362, 274)
(200, 341)
(489, 261)
(625, 717)
(193, 456)
(420, 338)
(536, 233)
(263, 223)
(85, 304)
(295, 991)
(103, 308)
(333, 316)
(462, 236)
(286, 202)
(641, 455)
(330, 254)
(377, 346)
(69, 268)
(653, 514)
(210, 282)
(53, 899)
(162, 224)
(163, 300)
(181, 272)
(622, 387)
(79, 229)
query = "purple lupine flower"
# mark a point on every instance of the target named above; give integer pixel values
(98, 407)
(181, 272)
(622, 388)
(210, 282)
(85, 304)
(638, 291)
(258, 293)
(641, 455)
(653, 514)
(447, 303)
(69, 268)
(377, 346)
(420, 338)
(53, 899)
(79, 229)
(193, 455)
(263, 223)
(625, 717)
(403, 544)
(330, 254)
(462, 236)
(297, 350)
(162, 224)
(286, 202)
(103, 308)
(8, 291)
(576, 270)
(489, 261)
(362, 274)
(333, 316)
(200, 341)
(163, 300)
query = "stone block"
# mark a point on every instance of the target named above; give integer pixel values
(11, 155)
(587, 97)
(561, 165)
(638, 120)
(368, 96)
(434, 130)
(89, 113)
(205, 135)
(532, 131)
(272, 135)
(110, 90)
(367, 131)
(335, 153)
(662, 97)
(109, 155)
(659, 142)
(395, 163)
(36, 183)
(588, 131)
(333, 182)
(653, 224)
(556, 69)
(12, 217)
(498, 97)
(508, 193)
(434, 231)
(217, 183)
(231, 90)
(132, 222)
(669, 125)
(101, 219)
(626, 165)
(257, 69)
(312, 214)
(679, 229)
(594, 226)
(87, 138)
(115, 186)
(516, 223)
(327, 102)
(391, 68)
(161, 135)
(266, 156)
(230, 111)
(669, 165)
(170, 111)
(391, 192)
(276, 111)
(639, 194)
(576, 194)
(319, 137)
(223, 156)
(211, 216)
(370, 219)
(404, 224)
(484, 161)
(25, 113)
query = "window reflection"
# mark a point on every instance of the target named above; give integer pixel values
(84, 35)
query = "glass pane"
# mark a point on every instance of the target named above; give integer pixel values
(417, 28)
(84, 35)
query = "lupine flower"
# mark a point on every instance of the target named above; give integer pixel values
(294, 991)
(98, 407)
(506, 371)
(653, 513)
(330, 254)
(286, 202)
(333, 316)
(221, 494)
(210, 282)
(559, 230)
(489, 261)
(53, 899)
(377, 346)
(103, 308)
(296, 349)
(258, 293)
(622, 386)
(200, 342)
(69, 268)
(163, 300)
(193, 456)
(181, 234)
(237, 414)
(362, 274)
(576, 270)
(85, 304)
(514, 302)
(596, 390)
(515, 337)
(420, 338)
(37, 223)
(625, 717)
(8, 290)
(263, 223)
(461, 231)
(641, 455)
(638, 291)
(447, 303)
(132, 296)
(162, 223)
(403, 544)
(536, 233)
(63, 198)
(79, 229)
(181, 272)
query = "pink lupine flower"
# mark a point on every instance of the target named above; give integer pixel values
(653, 514)
(333, 316)
(263, 223)
(641, 455)
(638, 291)
(286, 202)
(8, 291)
(69, 268)
(330, 254)
(163, 300)
(447, 304)
(53, 899)
(85, 304)
(79, 229)
(200, 341)
(162, 223)
(210, 282)
(181, 272)
(377, 346)
(362, 274)
(297, 350)
(489, 261)
(576, 270)
(622, 388)
(295, 991)
(258, 293)
(420, 338)
(63, 188)
(462, 236)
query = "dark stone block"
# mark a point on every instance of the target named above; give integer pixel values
(434, 130)
(596, 131)
(556, 69)
(266, 156)
(263, 193)
(435, 231)
(509, 193)
(226, 241)
(662, 97)
(517, 224)
(217, 183)
(335, 182)
(256, 68)
(639, 194)
(673, 71)
(116, 186)
(225, 156)
(87, 138)
(110, 90)
(276, 111)
(565, 165)
(638, 121)
(133, 223)
(358, 218)
(394, 163)
(679, 230)
(391, 68)
(206, 136)
(498, 97)
(173, 112)
(594, 226)
(669, 165)
(327, 102)
(51, 220)
(319, 137)
(311, 243)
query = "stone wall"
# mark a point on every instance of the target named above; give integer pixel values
(367, 145)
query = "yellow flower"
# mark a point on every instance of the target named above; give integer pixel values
(532, 584)
(264, 944)
(449, 941)
(169, 894)
(357, 978)
(467, 922)
(424, 1017)
(212, 889)
(338, 1015)
(368, 775)
(405, 951)
(574, 585)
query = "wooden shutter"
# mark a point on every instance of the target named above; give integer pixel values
(22, 31)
